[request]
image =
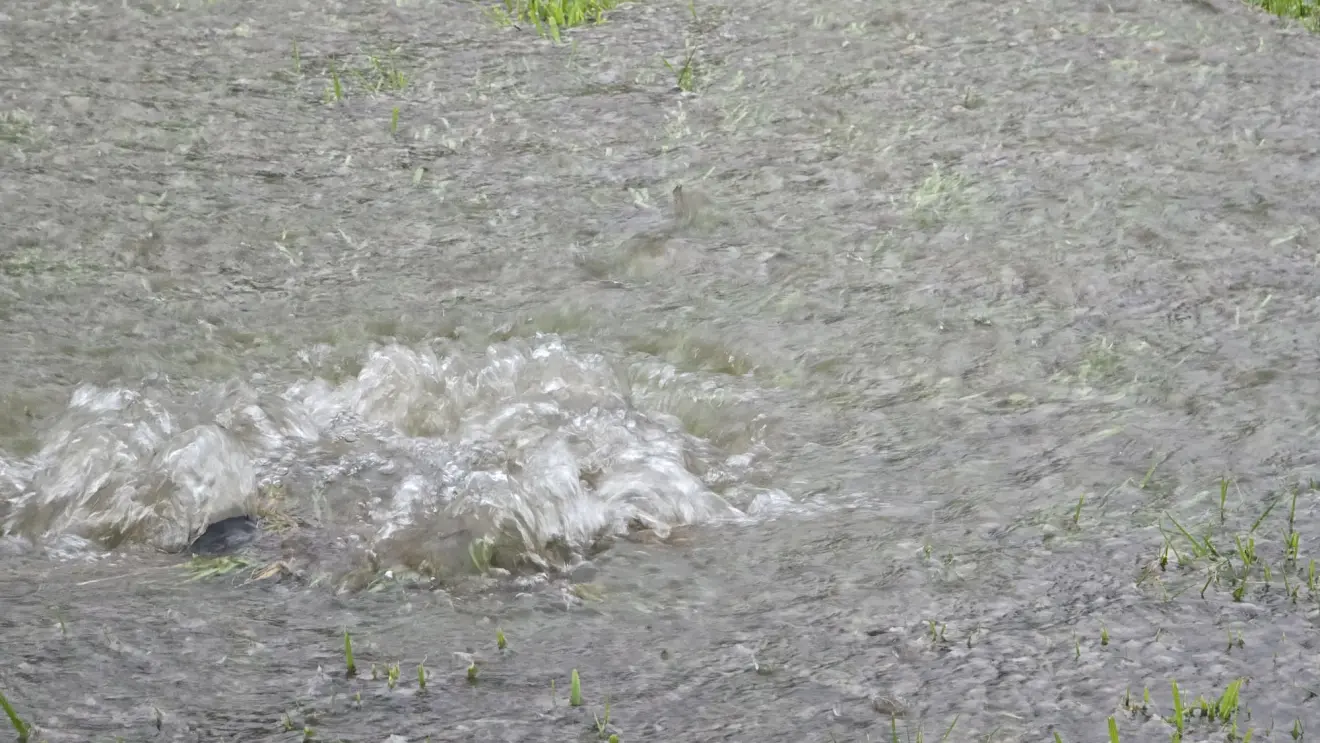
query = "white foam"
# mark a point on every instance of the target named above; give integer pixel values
(528, 441)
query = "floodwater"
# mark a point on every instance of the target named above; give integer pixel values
(794, 372)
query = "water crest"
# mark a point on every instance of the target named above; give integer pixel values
(527, 456)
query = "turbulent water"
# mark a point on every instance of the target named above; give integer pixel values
(793, 372)
(528, 455)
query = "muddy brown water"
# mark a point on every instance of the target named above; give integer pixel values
(943, 270)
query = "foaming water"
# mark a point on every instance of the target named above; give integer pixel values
(528, 455)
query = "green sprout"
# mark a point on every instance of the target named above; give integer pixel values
(348, 655)
(500, 642)
(1179, 713)
(388, 74)
(336, 90)
(574, 690)
(685, 74)
(603, 724)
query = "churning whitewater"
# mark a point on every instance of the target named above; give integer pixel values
(531, 452)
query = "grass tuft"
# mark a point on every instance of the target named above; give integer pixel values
(685, 73)
(549, 16)
(1305, 11)
(930, 204)
(603, 723)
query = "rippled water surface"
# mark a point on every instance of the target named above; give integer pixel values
(792, 372)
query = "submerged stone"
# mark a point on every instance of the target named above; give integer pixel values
(225, 536)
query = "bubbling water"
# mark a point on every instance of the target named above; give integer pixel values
(527, 455)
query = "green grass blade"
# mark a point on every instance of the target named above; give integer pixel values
(22, 728)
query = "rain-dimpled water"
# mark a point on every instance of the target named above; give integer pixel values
(826, 372)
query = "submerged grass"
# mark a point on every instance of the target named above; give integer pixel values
(202, 568)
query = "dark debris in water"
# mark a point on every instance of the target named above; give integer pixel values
(225, 537)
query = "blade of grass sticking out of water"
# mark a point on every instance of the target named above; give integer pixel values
(944, 738)
(1113, 730)
(20, 727)
(1150, 473)
(1178, 711)
(603, 724)
(1292, 540)
(1246, 551)
(574, 690)
(336, 88)
(349, 665)
(1227, 705)
(1268, 509)
(500, 642)
(1223, 498)
(1199, 549)
(1077, 513)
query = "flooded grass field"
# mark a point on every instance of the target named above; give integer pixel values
(414, 370)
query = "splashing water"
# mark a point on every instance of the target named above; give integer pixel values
(525, 456)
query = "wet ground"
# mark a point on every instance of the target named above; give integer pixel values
(897, 364)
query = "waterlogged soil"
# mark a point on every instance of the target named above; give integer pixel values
(1007, 287)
